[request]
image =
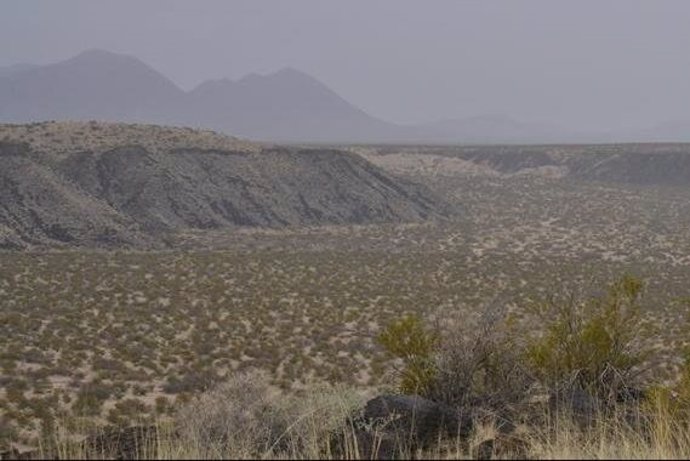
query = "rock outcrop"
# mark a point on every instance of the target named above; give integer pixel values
(395, 426)
(114, 194)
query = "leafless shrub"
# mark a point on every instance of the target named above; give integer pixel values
(245, 418)
(479, 363)
(236, 417)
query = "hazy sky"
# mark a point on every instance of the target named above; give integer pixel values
(583, 64)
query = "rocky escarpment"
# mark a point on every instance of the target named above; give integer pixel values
(639, 164)
(644, 164)
(133, 195)
(37, 207)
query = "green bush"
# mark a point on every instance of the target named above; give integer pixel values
(590, 341)
(408, 340)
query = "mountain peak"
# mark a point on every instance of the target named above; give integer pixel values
(103, 61)
(291, 72)
(98, 56)
(284, 105)
(287, 74)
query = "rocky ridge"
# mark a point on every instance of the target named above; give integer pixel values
(99, 184)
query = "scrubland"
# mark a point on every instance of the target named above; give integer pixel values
(96, 338)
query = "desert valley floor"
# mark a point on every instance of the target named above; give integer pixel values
(122, 334)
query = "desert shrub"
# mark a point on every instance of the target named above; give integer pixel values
(15, 388)
(139, 390)
(128, 411)
(8, 432)
(245, 417)
(36, 356)
(162, 405)
(100, 364)
(410, 341)
(590, 342)
(191, 381)
(479, 363)
(236, 417)
(313, 420)
(90, 398)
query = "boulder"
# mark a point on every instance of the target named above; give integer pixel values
(396, 426)
(576, 402)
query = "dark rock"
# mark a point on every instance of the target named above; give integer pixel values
(395, 426)
(420, 417)
(629, 395)
(578, 403)
(511, 447)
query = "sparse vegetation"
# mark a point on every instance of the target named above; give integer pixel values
(55, 138)
(91, 338)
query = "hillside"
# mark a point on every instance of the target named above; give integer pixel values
(661, 164)
(101, 184)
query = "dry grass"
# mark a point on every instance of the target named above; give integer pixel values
(613, 439)
(227, 424)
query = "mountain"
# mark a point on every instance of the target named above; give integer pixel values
(94, 84)
(9, 70)
(285, 106)
(288, 105)
(109, 185)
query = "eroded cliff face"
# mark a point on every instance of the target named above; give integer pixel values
(640, 164)
(131, 195)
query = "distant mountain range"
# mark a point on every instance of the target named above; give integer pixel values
(286, 106)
